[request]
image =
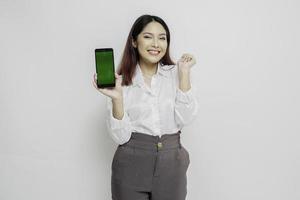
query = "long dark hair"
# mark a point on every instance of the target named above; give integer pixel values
(130, 55)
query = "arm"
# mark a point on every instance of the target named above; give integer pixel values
(186, 103)
(117, 121)
(117, 108)
(184, 80)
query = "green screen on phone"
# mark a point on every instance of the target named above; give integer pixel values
(105, 67)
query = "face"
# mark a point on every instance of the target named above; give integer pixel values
(151, 43)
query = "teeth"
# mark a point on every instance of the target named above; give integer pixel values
(154, 52)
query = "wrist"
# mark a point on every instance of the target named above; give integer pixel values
(117, 99)
(184, 71)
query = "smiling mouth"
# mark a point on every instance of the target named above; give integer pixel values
(153, 52)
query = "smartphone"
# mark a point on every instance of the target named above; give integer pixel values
(105, 67)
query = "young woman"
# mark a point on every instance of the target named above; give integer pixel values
(152, 101)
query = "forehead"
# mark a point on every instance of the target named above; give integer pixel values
(155, 28)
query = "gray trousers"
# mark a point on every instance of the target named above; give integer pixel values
(150, 168)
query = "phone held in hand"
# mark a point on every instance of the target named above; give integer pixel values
(105, 67)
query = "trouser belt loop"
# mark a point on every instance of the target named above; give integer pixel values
(179, 140)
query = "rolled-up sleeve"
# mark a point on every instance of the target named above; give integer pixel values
(119, 130)
(186, 104)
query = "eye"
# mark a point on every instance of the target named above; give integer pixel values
(147, 37)
(163, 38)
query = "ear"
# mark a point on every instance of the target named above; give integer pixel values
(133, 43)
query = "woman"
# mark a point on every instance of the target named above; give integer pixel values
(151, 102)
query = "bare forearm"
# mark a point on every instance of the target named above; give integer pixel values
(117, 108)
(184, 80)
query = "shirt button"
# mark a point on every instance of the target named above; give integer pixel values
(159, 145)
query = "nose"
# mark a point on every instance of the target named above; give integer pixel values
(155, 43)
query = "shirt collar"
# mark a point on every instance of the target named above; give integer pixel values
(138, 76)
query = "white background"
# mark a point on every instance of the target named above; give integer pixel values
(243, 146)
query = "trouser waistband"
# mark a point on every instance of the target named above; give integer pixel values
(154, 143)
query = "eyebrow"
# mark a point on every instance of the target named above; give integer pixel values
(152, 33)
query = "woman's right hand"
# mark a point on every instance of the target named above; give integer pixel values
(114, 93)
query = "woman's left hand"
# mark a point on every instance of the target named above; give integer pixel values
(186, 62)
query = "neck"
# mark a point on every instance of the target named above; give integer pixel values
(148, 68)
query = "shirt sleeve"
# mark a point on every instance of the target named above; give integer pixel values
(186, 104)
(119, 130)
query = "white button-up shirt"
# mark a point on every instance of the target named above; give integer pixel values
(161, 109)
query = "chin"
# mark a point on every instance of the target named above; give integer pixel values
(151, 60)
(154, 61)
